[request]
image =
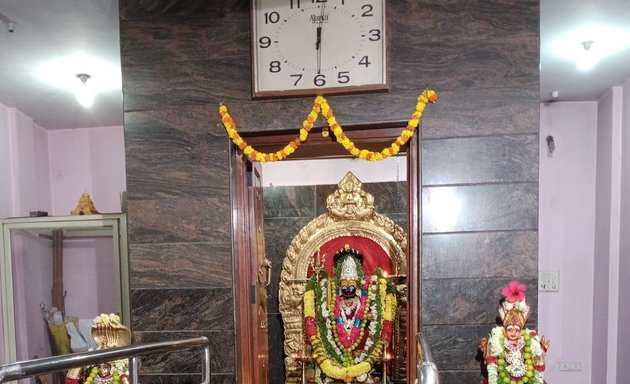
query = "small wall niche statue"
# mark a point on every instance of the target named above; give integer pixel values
(513, 353)
(85, 206)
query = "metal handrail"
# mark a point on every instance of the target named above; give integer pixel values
(427, 370)
(29, 368)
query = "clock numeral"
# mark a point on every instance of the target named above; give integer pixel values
(367, 10)
(296, 2)
(319, 80)
(365, 61)
(274, 66)
(375, 35)
(271, 17)
(343, 77)
(299, 77)
(264, 42)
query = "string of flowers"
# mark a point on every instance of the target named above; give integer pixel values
(320, 105)
(498, 369)
(332, 345)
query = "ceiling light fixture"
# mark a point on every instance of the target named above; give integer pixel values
(84, 93)
(588, 58)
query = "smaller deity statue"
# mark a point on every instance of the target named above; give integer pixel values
(107, 332)
(349, 318)
(513, 353)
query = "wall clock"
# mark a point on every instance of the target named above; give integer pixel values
(309, 47)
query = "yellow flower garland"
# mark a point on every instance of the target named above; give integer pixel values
(320, 105)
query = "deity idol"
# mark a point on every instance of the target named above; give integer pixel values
(348, 318)
(513, 353)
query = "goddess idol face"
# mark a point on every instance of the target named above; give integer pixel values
(512, 332)
(349, 288)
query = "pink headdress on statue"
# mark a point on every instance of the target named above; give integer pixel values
(514, 310)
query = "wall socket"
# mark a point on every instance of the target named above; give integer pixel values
(549, 281)
(570, 366)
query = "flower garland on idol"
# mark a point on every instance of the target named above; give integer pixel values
(321, 106)
(521, 362)
(345, 350)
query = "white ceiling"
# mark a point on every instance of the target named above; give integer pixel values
(78, 29)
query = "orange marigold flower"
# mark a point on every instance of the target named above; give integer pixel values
(432, 96)
(242, 145)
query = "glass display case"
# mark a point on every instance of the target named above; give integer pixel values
(59, 270)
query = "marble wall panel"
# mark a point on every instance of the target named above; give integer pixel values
(456, 346)
(480, 254)
(188, 360)
(464, 113)
(179, 220)
(279, 232)
(181, 12)
(186, 309)
(180, 265)
(289, 201)
(181, 59)
(488, 159)
(469, 301)
(186, 379)
(170, 155)
(480, 207)
(187, 83)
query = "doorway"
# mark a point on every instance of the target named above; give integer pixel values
(252, 328)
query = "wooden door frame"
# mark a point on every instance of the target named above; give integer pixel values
(242, 257)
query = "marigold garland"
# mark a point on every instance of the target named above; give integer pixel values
(321, 106)
(334, 356)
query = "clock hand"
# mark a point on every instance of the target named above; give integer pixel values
(318, 46)
(318, 43)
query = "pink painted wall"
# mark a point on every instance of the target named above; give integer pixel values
(606, 250)
(87, 160)
(27, 188)
(623, 335)
(566, 235)
(49, 170)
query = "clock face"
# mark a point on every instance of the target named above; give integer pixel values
(308, 47)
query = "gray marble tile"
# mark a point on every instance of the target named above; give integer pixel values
(222, 352)
(469, 301)
(502, 111)
(180, 265)
(179, 220)
(175, 156)
(182, 309)
(481, 254)
(480, 207)
(185, 379)
(460, 377)
(276, 349)
(389, 198)
(489, 159)
(279, 232)
(289, 201)
(455, 347)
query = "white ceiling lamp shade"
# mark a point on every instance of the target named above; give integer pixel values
(81, 74)
(588, 45)
(588, 58)
(84, 92)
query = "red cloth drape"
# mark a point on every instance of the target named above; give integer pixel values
(374, 255)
